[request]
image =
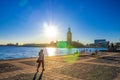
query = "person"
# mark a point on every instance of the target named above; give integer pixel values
(96, 51)
(40, 60)
(90, 50)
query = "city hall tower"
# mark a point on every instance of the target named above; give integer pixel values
(69, 36)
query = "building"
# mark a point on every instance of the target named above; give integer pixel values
(69, 36)
(100, 42)
(68, 43)
(118, 44)
(17, 44)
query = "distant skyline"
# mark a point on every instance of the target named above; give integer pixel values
(29, 21)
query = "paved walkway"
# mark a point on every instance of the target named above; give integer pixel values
(48, 75)
(26, 69)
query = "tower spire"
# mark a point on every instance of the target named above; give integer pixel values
(69, 29)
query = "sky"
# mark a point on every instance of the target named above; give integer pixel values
(29, 21)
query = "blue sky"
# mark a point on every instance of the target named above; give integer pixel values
(22, 20)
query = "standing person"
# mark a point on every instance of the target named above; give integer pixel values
(40, 60)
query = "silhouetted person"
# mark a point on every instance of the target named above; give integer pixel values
(40, 60)
(90, 50)
(96, 52)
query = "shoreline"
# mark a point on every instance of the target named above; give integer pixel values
(82, 54)
(31, 58)
(17, 59)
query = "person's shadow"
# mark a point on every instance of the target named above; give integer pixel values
(35, 75)
(40, 77)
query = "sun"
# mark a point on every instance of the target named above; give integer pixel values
(50, 30)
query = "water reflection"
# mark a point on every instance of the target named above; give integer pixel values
(64, 51)
(51, 51)
(61, 51)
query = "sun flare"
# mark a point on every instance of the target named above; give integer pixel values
(50, 30)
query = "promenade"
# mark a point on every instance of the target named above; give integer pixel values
(102, 67)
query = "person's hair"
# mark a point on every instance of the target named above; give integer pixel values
(41, 50)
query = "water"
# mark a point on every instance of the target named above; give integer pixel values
(11, 52)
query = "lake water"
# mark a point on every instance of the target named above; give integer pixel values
(11, 52)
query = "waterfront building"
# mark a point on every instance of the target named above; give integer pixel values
(100, 42)
(69, 36)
